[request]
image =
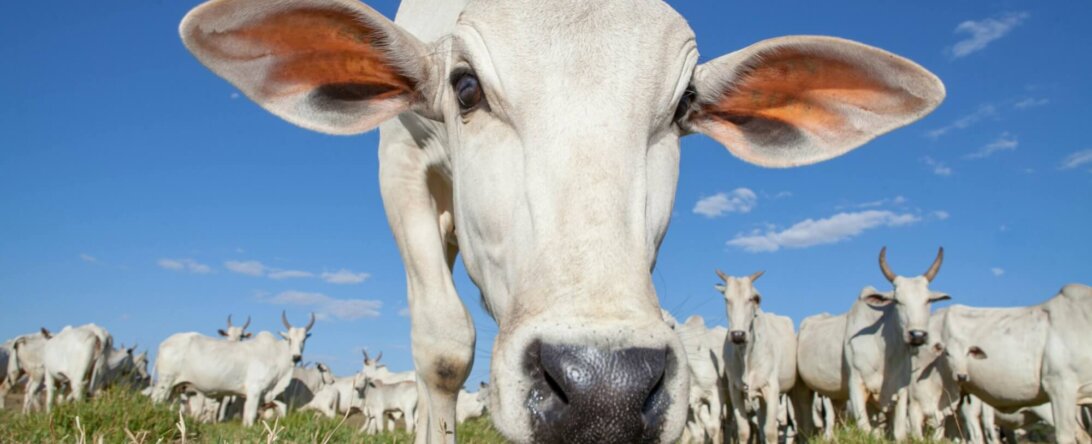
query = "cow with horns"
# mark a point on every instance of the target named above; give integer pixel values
(234, 333)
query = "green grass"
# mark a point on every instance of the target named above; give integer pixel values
(122, 416)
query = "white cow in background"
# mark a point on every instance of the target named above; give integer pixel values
(382, 400)
(340, 396)
(306, 383)
(234, 333)
(26, 360)
(1020, 357)
(760, 355)
(379, 372)
(708, 386)
(472, 405)
(5, 357)
(540, 139)
(75, 356)
(882, 330)
(821, 366)
(123, 366)
(259, 369)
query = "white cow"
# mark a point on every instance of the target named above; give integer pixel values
(381, 400)
(760, 355)
(26, 360)
(124, 367)
(708, 386)
(821, 367)
(472, 405)
(540, 139)
(259, 369)
(1019, 357)
(340, 396)
(74, 356)
(234, 333)
(5, 358)
(306, 383)
(882, 329)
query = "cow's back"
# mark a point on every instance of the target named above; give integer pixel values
(71, 353)
(819, 354)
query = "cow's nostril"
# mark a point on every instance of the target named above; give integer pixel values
(555, 388)
(739, 337)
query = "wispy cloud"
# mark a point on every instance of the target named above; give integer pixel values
(984, 111)
(249, 268)
(344, 276)
(941, 215)
(811, 232)
(1030, 102)
(289, 274)
(1077, 159)
(983, 32)
(89, 258)
(404, 312)
(1005, 142)
(189, 265)
(997, 271)
(739, 200)
(326, 307)
(939, 168)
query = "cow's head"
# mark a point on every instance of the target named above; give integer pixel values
(234, 333)
(743, 301)
(325, 374)
(140, 365)
(372, 365)
(558, 124)
(296, 336)
(912, 298)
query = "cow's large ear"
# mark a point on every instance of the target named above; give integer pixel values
(874, 297)
(335, 66)
(794, 101)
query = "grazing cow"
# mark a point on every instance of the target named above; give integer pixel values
(381, 400)
(708, 387)
(234, 333)
(340, 396)
(122, 366)
(821, 366)
(1021, 357)
(72, 356)
(471, 405)
(540, 139)
(259, 369)
(306, 383)
(882, 329)
(379, 372)
(26, 360)
(760, 355)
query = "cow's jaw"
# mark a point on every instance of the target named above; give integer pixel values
(562, 190)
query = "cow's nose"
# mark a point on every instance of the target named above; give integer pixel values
(918, 337)
(962, 377)
(297, 358)
(739, 336)
(590, 394)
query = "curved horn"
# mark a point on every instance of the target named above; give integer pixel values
(723, 276)
(887, 273)
(379, 356)
(310, 323)
(756, 275)
(366, 358)
(247, 324)
(229, 321)
(284, 318)
(933, 269)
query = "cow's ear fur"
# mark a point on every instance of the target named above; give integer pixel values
(799, 100)
(247, 335)
(937, 296)
(222, 332)
(874, 297)
(334, 66)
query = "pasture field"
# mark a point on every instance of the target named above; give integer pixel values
(123, 416)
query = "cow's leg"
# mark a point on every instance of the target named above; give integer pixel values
(900, 420)
(743, 424)
(418, 203)
(1063, 403)
(50, 389)
(858, 404)
(803, 400)
(716, 412)
(989, 428)
(971, 413)
(250, 408)
(772, 399)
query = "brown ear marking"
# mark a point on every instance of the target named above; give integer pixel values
(334, 52)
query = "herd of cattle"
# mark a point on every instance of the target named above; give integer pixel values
(215, 379)
(888, 364)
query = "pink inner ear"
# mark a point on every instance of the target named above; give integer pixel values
(791, 89)
(311, 48)
(875, 299)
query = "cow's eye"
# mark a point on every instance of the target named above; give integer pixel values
(468, 91)
(684, 103)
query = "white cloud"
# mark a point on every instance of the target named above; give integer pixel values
(249, 268)
(1077, 159)
(1005, 142)
(983, 112)
(405, 313)
(327, 307)
(88, 258)
(997, 271)
(740, 200)
(344, 276)
(938, 167)
(189, 265)
(1030, 102)
(289, 274)
(234, 95)
(811, 232)
(984, 31)
(897, 200)
(941, 215)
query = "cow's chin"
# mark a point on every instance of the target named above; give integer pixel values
(573, 380)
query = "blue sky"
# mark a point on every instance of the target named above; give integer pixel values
(140, 192)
